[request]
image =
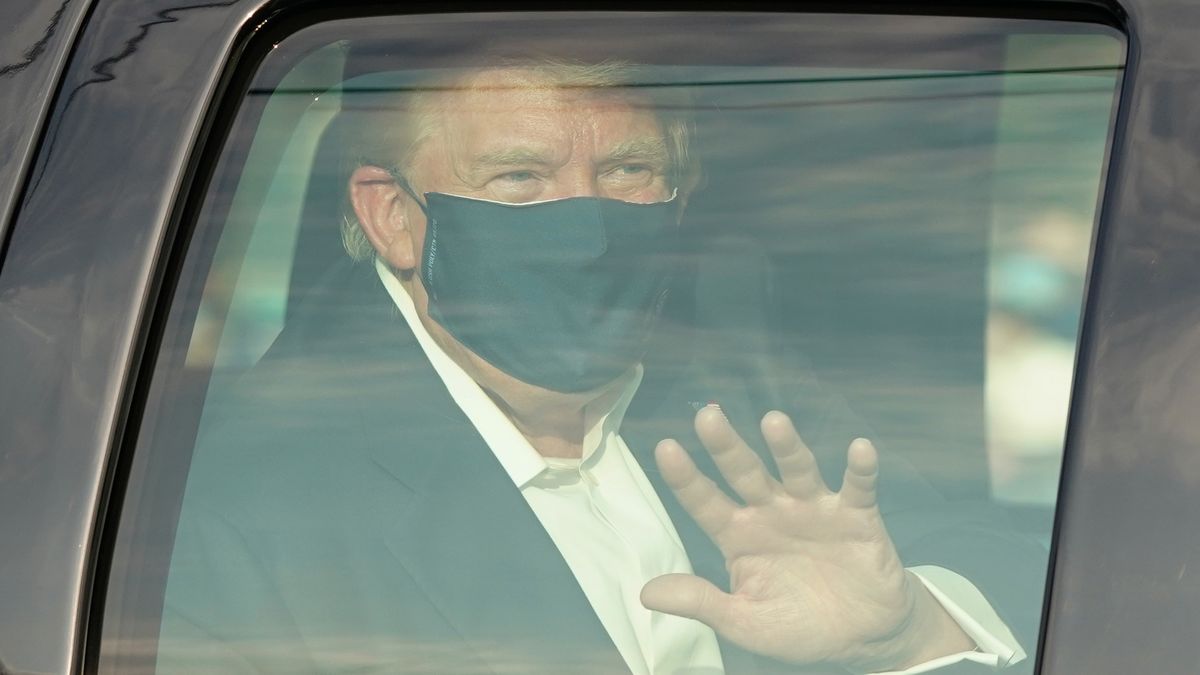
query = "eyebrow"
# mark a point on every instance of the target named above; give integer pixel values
(649, 149)
(510, 157)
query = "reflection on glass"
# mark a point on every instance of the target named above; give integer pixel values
(450, 307)
(1052, 135)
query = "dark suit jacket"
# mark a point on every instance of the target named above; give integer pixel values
(342, 514)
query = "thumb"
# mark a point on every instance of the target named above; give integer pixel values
(688, 596)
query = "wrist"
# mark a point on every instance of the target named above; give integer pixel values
(927, 633)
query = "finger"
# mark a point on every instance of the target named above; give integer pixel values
(706, 503)
(797, 467)
(691, 597)
(862, 474)
(740, 466)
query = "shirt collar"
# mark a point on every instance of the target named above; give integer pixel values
(520, 460)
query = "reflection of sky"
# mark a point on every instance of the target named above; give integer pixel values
(892, 207)
(883, 205)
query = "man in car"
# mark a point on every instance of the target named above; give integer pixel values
(446, 459)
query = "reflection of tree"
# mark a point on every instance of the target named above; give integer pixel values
(38, 48)
(1163, 385)
(102, 72)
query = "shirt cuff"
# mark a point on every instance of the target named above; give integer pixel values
(996, 646)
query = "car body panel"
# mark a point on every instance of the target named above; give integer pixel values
(75, 286)
(35, 40)
(1124, 596)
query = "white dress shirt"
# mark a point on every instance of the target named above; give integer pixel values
(614, 534)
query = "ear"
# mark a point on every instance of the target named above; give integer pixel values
(382, 210)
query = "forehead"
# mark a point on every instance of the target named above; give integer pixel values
(493, 98)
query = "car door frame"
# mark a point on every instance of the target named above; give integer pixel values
(97, 242)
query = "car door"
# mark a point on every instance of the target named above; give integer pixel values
(111, 255)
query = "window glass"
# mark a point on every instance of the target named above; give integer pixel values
(622, 342)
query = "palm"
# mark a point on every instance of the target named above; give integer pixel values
(814, 576)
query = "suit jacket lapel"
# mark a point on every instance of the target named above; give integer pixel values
(466, 536)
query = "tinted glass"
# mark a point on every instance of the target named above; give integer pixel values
(456, 278)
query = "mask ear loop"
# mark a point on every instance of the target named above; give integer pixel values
(404, 185)
(427, 263)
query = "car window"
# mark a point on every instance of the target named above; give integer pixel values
(601, 342)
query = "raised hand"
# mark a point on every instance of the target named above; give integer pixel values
(814, 576)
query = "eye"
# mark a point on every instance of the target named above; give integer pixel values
(630, 176)
(517, 176)
(517, 186)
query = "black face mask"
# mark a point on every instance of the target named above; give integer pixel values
(559, 294)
